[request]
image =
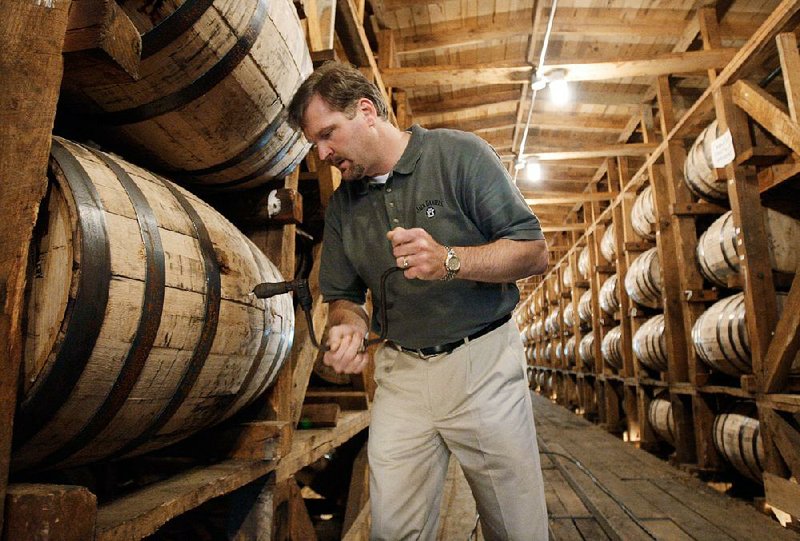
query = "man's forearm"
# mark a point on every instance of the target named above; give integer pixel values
(502, 261)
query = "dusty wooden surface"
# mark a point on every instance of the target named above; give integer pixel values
(669, 503)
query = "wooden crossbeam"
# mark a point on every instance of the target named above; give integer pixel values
(785, 343)
(570, 197)
(661, 24)
(633, 149)
(768, 112)
(486, 74)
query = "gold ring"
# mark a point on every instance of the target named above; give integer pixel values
(405, 262)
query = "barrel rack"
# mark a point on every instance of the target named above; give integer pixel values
(252, 463)
(761, 175)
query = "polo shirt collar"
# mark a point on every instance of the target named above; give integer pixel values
(408, 161)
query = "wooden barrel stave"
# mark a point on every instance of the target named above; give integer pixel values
(569, 318)
(611, 348)
(662, 419)
(189, 364)
(650, 344)
(209, 104)
(585, 307)
(608, 244)
(643, 279)
(738, 438)
(609, 300)
(586, 348)
(569, 350)
(717, 252)
(643, 215)
(698, 170)
(720, 336)
(583, 263)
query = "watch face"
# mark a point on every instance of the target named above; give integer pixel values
(453, 263)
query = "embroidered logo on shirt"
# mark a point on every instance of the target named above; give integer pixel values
(429, 206)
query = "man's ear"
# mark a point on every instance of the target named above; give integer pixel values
(366, 106)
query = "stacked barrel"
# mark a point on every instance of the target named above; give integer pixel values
(141, 326)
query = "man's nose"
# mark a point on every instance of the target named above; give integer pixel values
(324, 151)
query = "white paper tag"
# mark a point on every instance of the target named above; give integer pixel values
(722, 152)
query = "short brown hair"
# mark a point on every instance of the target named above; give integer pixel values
(340, 86)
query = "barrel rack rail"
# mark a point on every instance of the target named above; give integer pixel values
(252, 463)
(757, 178)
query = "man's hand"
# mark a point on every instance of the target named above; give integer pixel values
(345, 354)
(417, 253)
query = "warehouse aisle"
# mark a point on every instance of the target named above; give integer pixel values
(653, 499)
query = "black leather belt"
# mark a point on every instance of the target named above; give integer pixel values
(432, 351)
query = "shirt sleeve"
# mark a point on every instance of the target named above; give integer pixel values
(338, 279)
(493, 201)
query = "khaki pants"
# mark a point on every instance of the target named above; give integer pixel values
(474, 403)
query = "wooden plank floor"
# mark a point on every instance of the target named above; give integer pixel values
(662, 502)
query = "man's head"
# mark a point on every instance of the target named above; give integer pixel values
(338, 110)
(340, 86)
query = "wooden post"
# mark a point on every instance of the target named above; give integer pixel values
(252, 511)
(31, 38)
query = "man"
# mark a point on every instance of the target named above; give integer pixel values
(451, 377)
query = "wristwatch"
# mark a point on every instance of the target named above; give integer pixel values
(452, 264)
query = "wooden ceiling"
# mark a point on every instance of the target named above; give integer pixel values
(468, 64)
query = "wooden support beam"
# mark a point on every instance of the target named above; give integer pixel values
(784, 344)
(255, 510)
(290, 514)
(631, 149)
(768, 112)
(785, 437)
(790, 71)
(41, 512)
(31, 65)
(141, 513)
(561, 198)
(101, 24)
(673, 63)
(755, 270)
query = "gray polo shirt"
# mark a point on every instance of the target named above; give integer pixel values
(453, 185)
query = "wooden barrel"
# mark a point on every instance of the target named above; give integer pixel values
(585, 307)
(738, 438)
(209, 107)
(608, 244)
(547, 353)
(720, 336)
(569, 350)
(586, 348)
(609, 300)
(643, 280)
(611, 348)
(559, 352)
(650, 344)
(662, 420)
(569, 318)
(566, 278)
(699, 171)
(532, 311)
(553, 322)
(530, 354)
(537, 329)
(583, 263)
(643, 214)
(717, 251)
(141, 329)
